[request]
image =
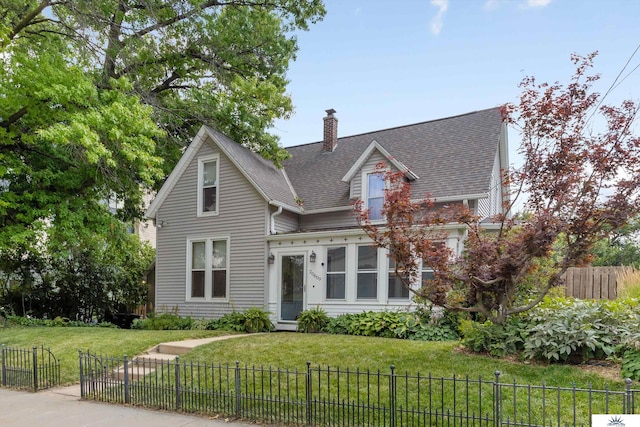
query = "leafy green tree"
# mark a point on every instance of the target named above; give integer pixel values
(621, 247)
(101, 273)
(97, 101)
(66, 147)
(219, 63)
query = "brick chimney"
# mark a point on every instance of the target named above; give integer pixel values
(330, 131)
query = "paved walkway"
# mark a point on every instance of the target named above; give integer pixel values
(55, 408)
(62, 407)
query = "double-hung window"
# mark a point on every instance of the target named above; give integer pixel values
(367, 274)
(396, 289)
(208, 185)
(208, 266)
(375, 195)
(336, 272)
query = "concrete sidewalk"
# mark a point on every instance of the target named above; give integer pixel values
(60, 408)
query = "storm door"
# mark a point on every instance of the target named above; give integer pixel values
(292, 286)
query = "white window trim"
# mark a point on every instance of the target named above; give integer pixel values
(365, 189)
(201, 162)
(389, 271)
(345, 273)
(377, 270)
(208, 275)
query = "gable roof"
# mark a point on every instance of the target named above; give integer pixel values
(450, 159)
(453, 157)
(272, 183)
(367, 153)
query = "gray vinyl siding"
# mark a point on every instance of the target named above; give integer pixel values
(484, 208)
(242, 217)
(328, 220)
(369, 165)
(286, 221)
(495, 192)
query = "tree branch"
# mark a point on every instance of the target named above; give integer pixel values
(28, 19)
(14, 117)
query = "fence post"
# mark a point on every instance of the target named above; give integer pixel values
(35, 368)
(178, 400)
(497, 400)
(82, 389)
(4, 367)
(127, 392)
(237, 388)
(628, 394)
(308, 392)
(392, 397)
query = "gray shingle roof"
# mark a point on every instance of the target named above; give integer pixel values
(453, 156)
(268, 178)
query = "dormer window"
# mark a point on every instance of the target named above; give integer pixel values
(208, 185)
(375, 195)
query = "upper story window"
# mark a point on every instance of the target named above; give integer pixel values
(375, 195)
(208, 185)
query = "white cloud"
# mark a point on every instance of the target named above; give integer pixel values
(537, 3)
(523, 4)
(436, 22)
(491, 4)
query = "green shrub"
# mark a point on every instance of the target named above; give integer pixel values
(375, 324)
(312, 320)
(233, 321)
(257, 320)
(339, 325)
(164, 321)
(497, 340)
(422, 325)
(57, 322)
(631, 364)
(571, 330)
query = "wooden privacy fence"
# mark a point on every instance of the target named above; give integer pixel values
(593, 282)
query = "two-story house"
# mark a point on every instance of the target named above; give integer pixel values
(234, 231)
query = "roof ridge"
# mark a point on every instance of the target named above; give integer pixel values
(398, 127)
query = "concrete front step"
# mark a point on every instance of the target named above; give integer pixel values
(145, 364)
(135, 372)
(173, 348)
(153, 358)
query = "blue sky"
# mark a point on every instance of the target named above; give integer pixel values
(382, 64)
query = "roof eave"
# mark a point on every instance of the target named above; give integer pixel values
(176, 173)
(365, 155)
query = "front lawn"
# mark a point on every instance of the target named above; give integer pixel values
(441, 359)
(293, 350)
(65, 342)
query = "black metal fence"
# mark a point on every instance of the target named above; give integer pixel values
(29, 369)
(332, 396)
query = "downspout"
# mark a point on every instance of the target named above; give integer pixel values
(273, 219)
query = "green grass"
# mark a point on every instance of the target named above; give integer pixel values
(292, 351)
(64, 343)
(441, 359)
